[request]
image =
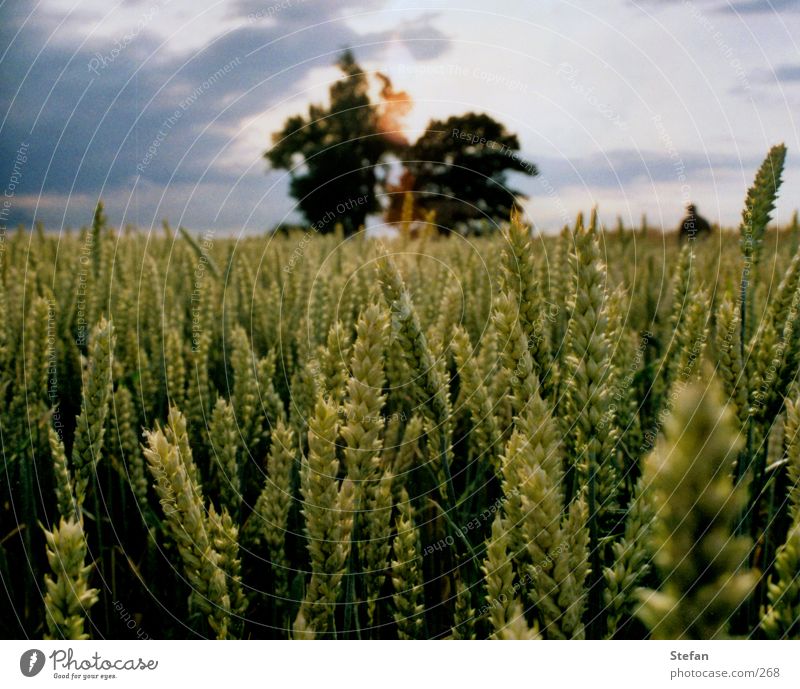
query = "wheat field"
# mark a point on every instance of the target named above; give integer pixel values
(590, 435)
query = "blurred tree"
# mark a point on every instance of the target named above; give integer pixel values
(459, 168)
(333, 155)
(694, 225)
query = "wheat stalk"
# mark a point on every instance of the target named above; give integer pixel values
(328, 511)
(696, 508)
(408, 596)
(90, 425)
(69, 596)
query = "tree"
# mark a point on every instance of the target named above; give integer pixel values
(335, 158)
(333, 155)
(459, 168)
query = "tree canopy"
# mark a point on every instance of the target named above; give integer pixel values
(332, 154)
(460, 167)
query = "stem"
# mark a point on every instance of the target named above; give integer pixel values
(594, 603)
(445, 460)
(29, 512)
(743, 315)
(351, 622)
(459, 533)
(99, 559)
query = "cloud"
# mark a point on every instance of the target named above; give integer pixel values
(100, 114)
(89, 131)
(788, 73)
(760, 6)
(617, 169)
(299, 12)
(729, 6)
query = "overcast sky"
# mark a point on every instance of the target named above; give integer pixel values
(634, 106)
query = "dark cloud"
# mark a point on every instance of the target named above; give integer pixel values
(783, 74)
(618, 168)
(300, 12)
(90, 114)
(788, 73)
(730, 6)
(760, 6)
(664, 4)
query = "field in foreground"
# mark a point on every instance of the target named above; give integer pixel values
(584, 436)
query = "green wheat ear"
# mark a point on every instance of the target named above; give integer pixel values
(792, 435)
(781, 617)
(224, 438)
(69, 595)
(632, 557)
(760, 203)
(484, 435)
(499, 577)
(690, 480)
(407, 580)
(363, 405)
(520, 280)
(90, 425)
(429, 387)
(245, 388)
(728, 348)
(206, 543)
(758, 207)
(328, 512)
(63, 481)
(517, 628)
(270, 518)
(200, 252)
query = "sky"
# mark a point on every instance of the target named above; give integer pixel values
(164, 108)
